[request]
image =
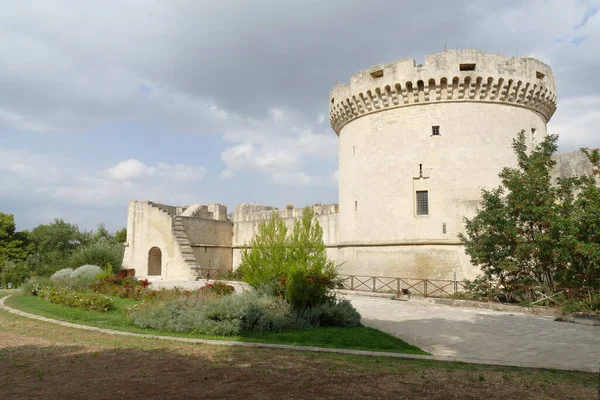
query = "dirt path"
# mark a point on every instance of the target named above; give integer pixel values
(44, 361)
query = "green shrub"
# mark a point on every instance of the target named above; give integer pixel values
(69, 297)
(187, 311)
(101, 253)
(35, 283)
(15, 273)
(62, 276)
(334, 312)
(295, 266)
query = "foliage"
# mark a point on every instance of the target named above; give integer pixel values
(84, 275)
(360, 338)
(531, 233)
(69, 297)
(199, 311)
(121, 235)
(34, 284)
(14, 246)
(15, 273)
(266, 261)
(102, 252)
(14, 249)
(294, 267)
(333, 312)
(56, 242)
(218, 288)
(62, 276)
(121, 285)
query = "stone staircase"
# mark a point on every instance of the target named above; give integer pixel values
(179, 234)
(184, 243)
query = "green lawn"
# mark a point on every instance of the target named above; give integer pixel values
(357, 338)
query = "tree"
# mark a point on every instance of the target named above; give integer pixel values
(54, 245)
(14, 249)
(121, 235)
(14, 246)
(295, 266)
(532, 232)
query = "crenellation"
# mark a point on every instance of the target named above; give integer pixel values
(505, 78)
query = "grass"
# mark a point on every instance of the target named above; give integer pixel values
(357, 338)
(36, 356)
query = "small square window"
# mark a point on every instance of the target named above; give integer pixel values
(377, 74)
(435, 130)
(422, 202)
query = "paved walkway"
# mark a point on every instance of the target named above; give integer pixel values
(485, 335)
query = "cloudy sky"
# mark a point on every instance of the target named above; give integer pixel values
(226, 101)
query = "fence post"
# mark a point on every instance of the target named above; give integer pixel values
(397, 287)
(425, 287)
(374, 285)
(351, 282)
(455, 287)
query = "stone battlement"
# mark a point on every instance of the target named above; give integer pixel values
(259, 212)
(202, 211)
(452, 76)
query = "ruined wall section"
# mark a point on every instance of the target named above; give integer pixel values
(211, 241)
(151, 225)
(571, 164)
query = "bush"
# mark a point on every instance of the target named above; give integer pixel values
(121, 285)
(62, 276)
(15, 273)
(187, 311)
(294, 267)
(101, 253)
(334, 312)
(218, 288)
(35, 283)
(67, 296)
(84, 275)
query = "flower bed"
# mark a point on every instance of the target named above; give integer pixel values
(69, 297)
(121, 285)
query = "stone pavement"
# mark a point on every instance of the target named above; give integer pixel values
(485, 335)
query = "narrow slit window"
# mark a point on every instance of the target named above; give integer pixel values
(353, 150)
(422, 202)
(377, 74)
(355, 205)
(467, 67)
(539, 75)
(444, 228)
(435, 130)
(332, 100)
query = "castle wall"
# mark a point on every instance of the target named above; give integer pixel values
(211, 242)
(571, 164)
(147, 227)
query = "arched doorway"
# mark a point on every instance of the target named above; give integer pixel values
(154, 262)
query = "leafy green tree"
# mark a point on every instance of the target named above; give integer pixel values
(54, 245)
(121, 235)
(531, 232)
(295, 266)
(264, 264)
(14, 246)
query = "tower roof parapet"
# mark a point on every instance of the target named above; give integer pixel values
(451, 76)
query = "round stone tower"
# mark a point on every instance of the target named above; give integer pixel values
(417, 143)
